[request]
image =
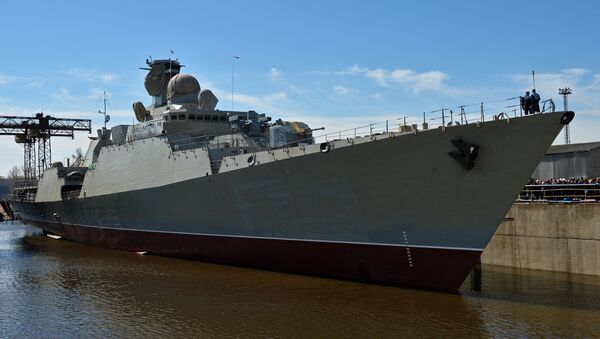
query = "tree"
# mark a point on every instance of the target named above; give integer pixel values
(15, 174)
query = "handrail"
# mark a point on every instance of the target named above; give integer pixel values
(70, 194)
(560, 192)
(25, 183)
(427, 120)
(29, 197)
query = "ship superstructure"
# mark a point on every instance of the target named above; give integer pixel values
(408, 207)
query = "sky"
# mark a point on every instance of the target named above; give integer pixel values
(328, 63)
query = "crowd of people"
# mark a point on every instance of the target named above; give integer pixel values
(562, 189)
(563, 181)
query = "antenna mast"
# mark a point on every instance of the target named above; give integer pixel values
(170, 57)
(106, 117)
(232, 77)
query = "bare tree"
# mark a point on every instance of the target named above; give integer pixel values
(14, 174)
(77, 157)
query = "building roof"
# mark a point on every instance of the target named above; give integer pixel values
(570, 148)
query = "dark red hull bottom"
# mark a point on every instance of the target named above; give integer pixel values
(429, 268)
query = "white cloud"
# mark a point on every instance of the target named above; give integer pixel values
(272, 98)
(433, 80)
(297, 90)
(575, 73)
(585, 94)
(243, 102)
(275, 74)
(415, 82)
(341, 90)
(7, 79)
(108, 77)
(379, 75)
(91, 75)
(98, 93)
(90, 102)
(585, 99)
(564, 78)
(11, 79)
(584, 127)
(354, 70)
(64, 94)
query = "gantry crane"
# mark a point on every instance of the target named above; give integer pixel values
(37, 130)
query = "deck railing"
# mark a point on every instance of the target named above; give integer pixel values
(22, 196)
(560, 192)
(67, 195)
(26, 184)
(444, 117)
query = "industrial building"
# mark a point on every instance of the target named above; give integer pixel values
(570, 161)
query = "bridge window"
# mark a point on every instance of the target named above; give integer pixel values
(181, 116)
(173, 117)
(191, 116)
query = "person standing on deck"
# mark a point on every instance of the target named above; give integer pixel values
(526, 103)
(535, 102)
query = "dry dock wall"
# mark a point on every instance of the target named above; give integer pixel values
(555, 237)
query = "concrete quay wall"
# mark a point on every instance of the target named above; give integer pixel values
(554, 237)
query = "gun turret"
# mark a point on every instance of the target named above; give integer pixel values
(290, 133)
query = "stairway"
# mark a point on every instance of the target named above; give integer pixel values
(215, 165)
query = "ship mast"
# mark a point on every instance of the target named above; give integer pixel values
(106, 117)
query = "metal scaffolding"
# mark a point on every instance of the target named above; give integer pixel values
(36, 131)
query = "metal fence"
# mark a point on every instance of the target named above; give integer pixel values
(444, 117)
(22, 196)
(440, 118)
(561, 192)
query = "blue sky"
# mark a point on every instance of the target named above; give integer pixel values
(329, 63)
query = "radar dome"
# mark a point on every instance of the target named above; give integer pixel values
(183, 85)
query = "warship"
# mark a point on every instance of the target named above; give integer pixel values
(414, 206)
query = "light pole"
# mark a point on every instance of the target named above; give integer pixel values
(565, 93)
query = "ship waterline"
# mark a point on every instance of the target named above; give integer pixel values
(390, 208)
(424, 267)
(50, 285)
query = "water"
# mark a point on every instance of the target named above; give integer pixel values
(55, 288)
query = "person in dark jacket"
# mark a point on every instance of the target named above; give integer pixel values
(535, 102)
(526, 103)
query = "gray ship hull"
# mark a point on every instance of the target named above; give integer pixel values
(398, 210)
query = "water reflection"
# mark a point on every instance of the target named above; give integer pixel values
(55, 288)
